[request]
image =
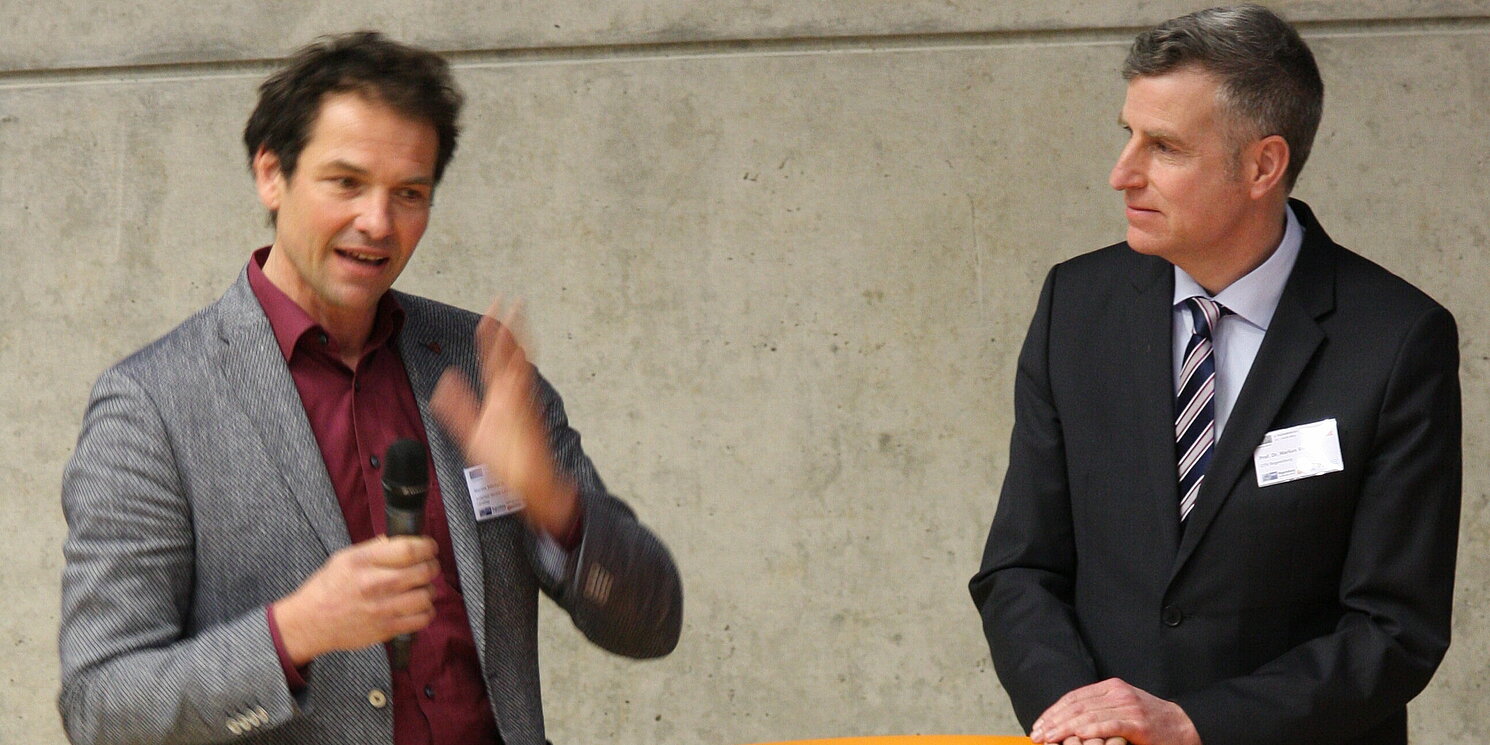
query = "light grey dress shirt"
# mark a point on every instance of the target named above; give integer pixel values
(1251, 300)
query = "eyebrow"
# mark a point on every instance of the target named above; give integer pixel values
(342, 165)
(1154, 134)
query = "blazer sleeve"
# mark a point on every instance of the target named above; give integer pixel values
(1024, 588)
(1396, 587)
(132, 670)
(619, 584)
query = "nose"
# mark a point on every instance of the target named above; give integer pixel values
(375, 219)
(1126, 173)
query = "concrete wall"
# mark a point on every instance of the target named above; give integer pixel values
(780, 258)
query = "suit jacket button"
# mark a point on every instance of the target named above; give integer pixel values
(1172, 615)
(377, 698)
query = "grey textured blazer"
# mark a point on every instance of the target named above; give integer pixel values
(197, 495)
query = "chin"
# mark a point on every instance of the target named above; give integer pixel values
(1143, 243)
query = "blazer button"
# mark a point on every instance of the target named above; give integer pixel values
(377, 698)
(1172, 615)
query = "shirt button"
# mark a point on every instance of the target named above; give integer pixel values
(429, 691)
(1172, 616)
(377, 698)
(373, 460)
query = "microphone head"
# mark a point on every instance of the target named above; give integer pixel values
(405, 478)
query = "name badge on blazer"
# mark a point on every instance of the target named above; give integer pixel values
(488, 500)
(1295, 453)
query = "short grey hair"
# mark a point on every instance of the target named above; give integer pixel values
(1269, 82)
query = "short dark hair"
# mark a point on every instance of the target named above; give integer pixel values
(1268, 77)
(412, 81)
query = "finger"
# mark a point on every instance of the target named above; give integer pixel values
(1080, 705)
(489, 349)
(1094, 691)
(513, 385)
(385, 593)
(399, 552)
(1078, 723)
(494, 309)
(515, 320)
(1098, 726)
(455, 405)
(511, 344)
(1053, 723)
(407, 620)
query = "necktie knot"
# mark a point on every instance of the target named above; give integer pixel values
(1204, 314)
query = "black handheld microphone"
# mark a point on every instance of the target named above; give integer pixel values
(405, 485)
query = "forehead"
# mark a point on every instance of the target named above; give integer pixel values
(1182, 102)
(369, 134)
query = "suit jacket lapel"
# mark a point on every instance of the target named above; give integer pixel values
(1153, 405)
(1292, 338)
(426, 354)
(255, 375)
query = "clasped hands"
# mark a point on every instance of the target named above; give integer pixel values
(372, 591)
(1113, 712)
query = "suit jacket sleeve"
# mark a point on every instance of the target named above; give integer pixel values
(1024, 588)
(619, 585)
(133, 669)
(1396, 587)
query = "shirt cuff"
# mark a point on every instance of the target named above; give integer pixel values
(554, 551)
(294, 677)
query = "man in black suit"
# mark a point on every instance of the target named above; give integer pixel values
(1232, 500)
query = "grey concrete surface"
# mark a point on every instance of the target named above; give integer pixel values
(89, 33)
(782, 291)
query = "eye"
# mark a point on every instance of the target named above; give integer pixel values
(344, 183)
(412, 196)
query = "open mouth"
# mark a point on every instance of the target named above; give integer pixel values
(363, 258)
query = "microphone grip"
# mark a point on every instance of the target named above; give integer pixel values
(405, 486)
(403, 522)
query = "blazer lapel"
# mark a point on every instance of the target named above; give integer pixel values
(1149, 318)
(1292, 338)
(255, 375)
(427, 353)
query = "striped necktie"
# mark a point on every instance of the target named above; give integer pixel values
(1195, 410)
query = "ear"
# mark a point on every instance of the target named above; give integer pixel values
(1267, 164)
(268, 178)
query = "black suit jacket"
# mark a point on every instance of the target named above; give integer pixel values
(1308, 611)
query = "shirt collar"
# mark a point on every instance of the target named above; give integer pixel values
(1255, 296)
(291, 323)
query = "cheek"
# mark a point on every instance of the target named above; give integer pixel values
(331, 218)
(412, 227)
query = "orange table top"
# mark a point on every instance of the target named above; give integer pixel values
(913, 740)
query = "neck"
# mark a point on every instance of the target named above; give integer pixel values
(1257, 237)
(349, 326)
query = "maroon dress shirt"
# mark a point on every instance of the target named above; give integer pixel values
(355, 415)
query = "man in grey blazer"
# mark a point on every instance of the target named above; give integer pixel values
(225, 574)
(1232, 500)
